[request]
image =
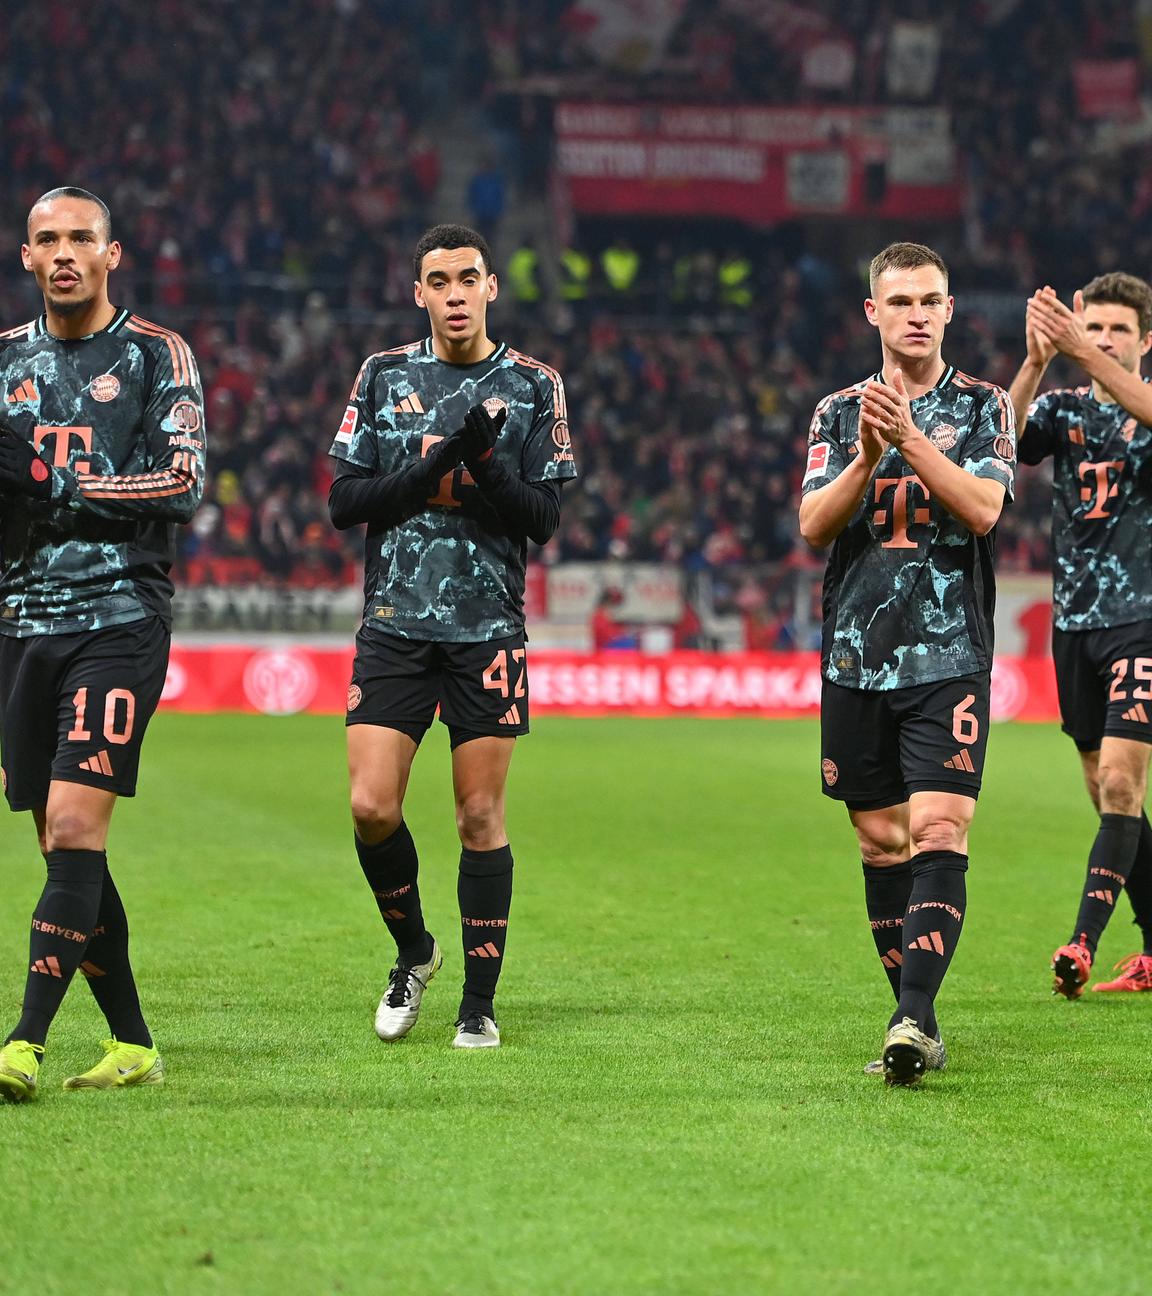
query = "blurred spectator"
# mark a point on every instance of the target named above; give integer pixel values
(605, 629)
(272, 169)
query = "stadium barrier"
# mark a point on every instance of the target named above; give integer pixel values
(284, 679)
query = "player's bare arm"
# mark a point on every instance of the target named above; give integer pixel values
(885, 408)
(824, 513)
(1077, 338)
(1040, 353)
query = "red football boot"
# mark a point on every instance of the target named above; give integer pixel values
(1136, 974)
(1070, 966)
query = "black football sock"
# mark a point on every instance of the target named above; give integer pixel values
(932, 924)
(485, 893)
(1139, 885)
(886, 893)
(109, 970)
(61, 929)
(391, 868)
(1109, 863)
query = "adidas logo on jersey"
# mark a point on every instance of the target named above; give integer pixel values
(25, 392)
(1137, 715)
(961, 761)
(410, 405)
(98, 764)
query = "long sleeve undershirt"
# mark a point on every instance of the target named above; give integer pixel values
(359, 495)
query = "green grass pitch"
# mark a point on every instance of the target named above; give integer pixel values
(691, 993)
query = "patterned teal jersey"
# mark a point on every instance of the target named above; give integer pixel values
(909, 591)
(1101, 507)
(455, 571)
(119, 414)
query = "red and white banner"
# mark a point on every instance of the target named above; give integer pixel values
(290, 679)
(1107, 88)
(757, 164)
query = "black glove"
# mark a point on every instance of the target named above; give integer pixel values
(22, 471)
(441, 459)
(479, 434)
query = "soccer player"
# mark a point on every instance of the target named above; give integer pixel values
(1100, 440)
(453, 450)
(906, 475)
(101, 451)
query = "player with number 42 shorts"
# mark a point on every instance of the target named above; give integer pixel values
(454, 451)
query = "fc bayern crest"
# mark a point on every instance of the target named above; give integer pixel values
(104, 388)
(494, 405)
(830, 772)
(1005, 445)
(944, 436)
(354, 696)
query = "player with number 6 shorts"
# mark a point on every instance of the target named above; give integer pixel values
(1099, 438)
(102, 452)
(906, 475)
(453, 450)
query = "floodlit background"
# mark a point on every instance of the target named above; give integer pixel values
(682, 197)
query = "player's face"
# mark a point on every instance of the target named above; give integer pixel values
(1116, 331)
(69, 252)
(911, 308)
(455, 289)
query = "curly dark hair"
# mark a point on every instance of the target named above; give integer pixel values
(450, 236)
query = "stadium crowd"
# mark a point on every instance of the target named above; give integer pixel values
(268, 204)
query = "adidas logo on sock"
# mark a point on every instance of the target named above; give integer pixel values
(487, 950)
(893, 959)
(933, 942)
(1106, 896)
(49, 966)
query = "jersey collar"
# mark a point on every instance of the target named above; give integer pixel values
(494, 358)
(945, 378)
(118, 321)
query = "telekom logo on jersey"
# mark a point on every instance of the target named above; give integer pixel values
(62, 439)
(895, 499)
(1099, 481)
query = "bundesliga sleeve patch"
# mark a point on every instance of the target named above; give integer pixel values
(348, 426)
(817, 464)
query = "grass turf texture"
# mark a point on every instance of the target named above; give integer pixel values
(679, 1106)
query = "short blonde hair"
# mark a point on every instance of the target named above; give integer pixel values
(904, 256)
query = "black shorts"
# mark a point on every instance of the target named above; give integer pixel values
(74, 707)
(1104, 682)
(480, 688)
(878, 747)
